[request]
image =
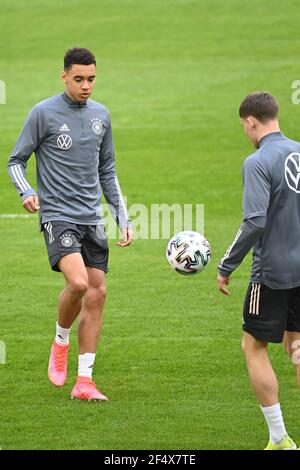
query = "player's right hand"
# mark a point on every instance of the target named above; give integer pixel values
(31, 204)
(222, 282)
(127, 237)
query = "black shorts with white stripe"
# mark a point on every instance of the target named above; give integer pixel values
(269, 312)
(63, 238)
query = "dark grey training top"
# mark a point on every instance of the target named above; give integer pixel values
(74, 155)
(271, 215)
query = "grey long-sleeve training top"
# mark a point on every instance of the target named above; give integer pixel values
(271, 219)
(74, 159)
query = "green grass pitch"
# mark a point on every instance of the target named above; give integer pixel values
(172, 73)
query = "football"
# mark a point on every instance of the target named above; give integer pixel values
(188, 252)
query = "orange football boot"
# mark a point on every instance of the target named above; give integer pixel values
(85, 389)
(58, 361)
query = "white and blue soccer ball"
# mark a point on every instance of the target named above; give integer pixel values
(188, 252)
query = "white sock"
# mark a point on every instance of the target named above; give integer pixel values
(62, 335)
(274, 419)
(85, 364)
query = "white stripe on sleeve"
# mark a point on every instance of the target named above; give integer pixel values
(122, 203)
(17, 178)
(27, 186)
(239, 233)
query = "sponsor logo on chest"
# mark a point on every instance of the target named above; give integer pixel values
(292, 171)
(64, 141)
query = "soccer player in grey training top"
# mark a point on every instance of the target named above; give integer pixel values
(71, 137)
(271, 224)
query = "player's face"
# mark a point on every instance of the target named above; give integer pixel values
(250, 130)
(80, 81)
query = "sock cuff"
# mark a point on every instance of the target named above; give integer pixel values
(87, 356)
(270, 409)
(62, 330)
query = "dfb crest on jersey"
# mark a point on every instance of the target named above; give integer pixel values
(97, 126)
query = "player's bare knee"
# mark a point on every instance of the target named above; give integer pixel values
(102, 292)
(78, 287)
(99, 294)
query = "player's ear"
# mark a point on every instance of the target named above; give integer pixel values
(252, 122)
(64, 76)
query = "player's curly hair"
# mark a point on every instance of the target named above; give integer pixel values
(78, 55)
(260, 105)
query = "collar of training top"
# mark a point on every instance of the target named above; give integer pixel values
(270, 136)
(68, 100)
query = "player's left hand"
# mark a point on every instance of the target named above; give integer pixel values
(222, 281)
(127, 237)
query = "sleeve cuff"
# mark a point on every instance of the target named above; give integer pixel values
(123, 225)
(223, 273)
(29, 192)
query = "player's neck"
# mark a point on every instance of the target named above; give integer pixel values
(269, 129)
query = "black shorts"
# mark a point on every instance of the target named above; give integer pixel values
(269, 312)
(63, 238)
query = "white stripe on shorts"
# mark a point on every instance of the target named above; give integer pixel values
(254, 299)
